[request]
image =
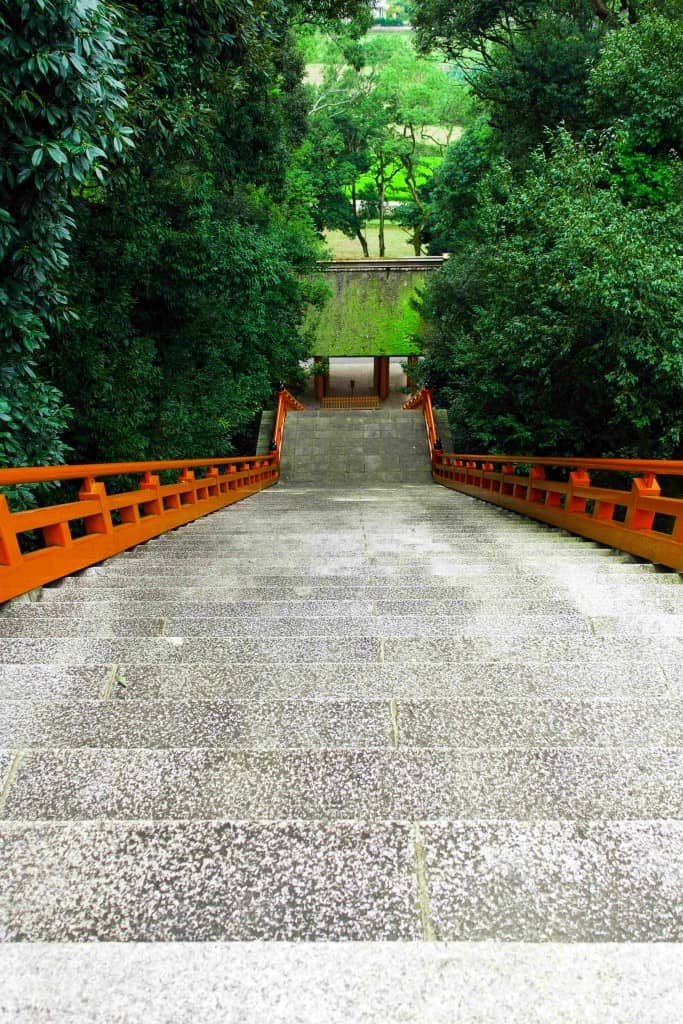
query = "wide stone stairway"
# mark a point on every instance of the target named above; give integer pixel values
(431, 748)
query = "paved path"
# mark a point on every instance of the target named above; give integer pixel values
(388, 715)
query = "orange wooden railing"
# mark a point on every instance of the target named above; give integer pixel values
(640, 521)
(111, 523)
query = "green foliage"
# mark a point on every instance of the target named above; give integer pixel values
(563, 330)
(189, 269)
(538, 83)
(190, 253)
(557, 325)
(452, 194)
(639, 82)
(379, 125)
(59, 118)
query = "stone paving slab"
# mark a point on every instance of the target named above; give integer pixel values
(661, 624)
(335, 983)
(596, 881)
(253, 725)
(615, 679)
(532, 648)
(176, 650)
(553, 723)
(373, 785)
(45, 682)
(208, 882)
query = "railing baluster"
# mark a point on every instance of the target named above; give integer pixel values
(642, 487)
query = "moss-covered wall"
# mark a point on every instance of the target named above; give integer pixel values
(368, 314)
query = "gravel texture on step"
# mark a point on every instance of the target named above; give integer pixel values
(208, 882)
(250, 725)
(601, 881)
(370, 785)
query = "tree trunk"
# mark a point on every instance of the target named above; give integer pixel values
(359, 234)
(382, 245)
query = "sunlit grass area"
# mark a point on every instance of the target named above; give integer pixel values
(397, 243)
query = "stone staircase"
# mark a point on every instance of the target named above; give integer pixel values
(354, 707)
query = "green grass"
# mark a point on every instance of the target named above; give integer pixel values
(343, 248)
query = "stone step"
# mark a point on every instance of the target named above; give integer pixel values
(305, 724)
(363, 982)
(276, 608)
(475, 592)
(457, 651)
(446, 628)
(209, 881)
(587, 679)
(525, 783)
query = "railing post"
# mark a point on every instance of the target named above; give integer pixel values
(506, 486)
(536, 494)
(101, 522)
(10, 552)
(155, 506)
(487, 467)
(641, 487)
(577, 478)
(212, 482)
(188, 497)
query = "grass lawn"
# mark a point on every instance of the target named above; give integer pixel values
(397, 240)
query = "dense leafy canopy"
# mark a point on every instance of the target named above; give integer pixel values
(557, 324)
(59, 118)
(153, 241)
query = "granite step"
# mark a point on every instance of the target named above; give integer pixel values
(526, 784)
(209, 881)
(255, 724)
(586, 679)
(485, 982)
(457, 651)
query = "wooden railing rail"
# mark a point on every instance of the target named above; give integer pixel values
(640, 521)
(423, 400)
(285, 403)
(80, 533)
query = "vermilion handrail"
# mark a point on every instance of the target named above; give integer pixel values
(114, 522)
(575, 505)
(285, 403)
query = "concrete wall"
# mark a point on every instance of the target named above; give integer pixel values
(370, 312)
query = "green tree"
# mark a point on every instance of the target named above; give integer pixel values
(382, 113)
(62, 100)
(189, 267)
(562, 331)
